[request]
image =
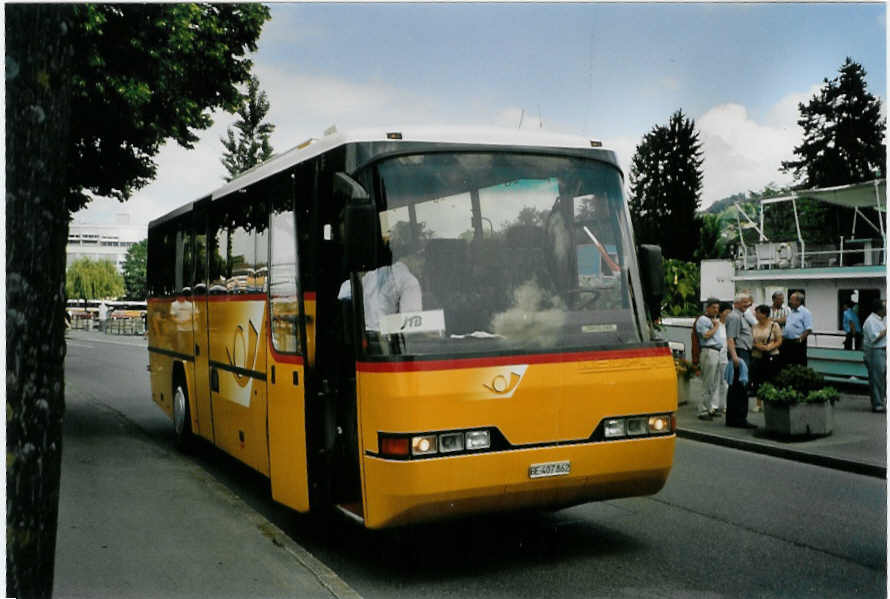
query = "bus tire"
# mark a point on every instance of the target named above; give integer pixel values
(182, 420)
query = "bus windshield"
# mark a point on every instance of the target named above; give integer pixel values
(500, 252)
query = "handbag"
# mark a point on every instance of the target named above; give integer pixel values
(772, 360)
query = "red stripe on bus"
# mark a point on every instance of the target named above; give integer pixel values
(617, 354)
(285, 358)
(309, 295)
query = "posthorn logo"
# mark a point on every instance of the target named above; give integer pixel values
(505, 383)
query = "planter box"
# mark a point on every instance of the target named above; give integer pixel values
(798, 419)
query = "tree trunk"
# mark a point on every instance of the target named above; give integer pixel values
(38, 88)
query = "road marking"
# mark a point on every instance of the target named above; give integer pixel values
(137, 344)
(76, 344)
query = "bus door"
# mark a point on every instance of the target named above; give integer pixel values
(198, 299)
(235, 311)
(286, 373)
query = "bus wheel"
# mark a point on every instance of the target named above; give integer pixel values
(182, 422)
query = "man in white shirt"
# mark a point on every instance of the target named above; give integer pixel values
(706, 327)
(103, 315)
(874, 354)
(778, 312)
(386, 290)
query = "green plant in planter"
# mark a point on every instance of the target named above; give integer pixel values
(800, 378)
(822, 395)
(772, 393)
(790, 395)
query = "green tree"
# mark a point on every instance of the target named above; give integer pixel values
(843, 143)
(843, 133)
(146, 73)
(93, 279)
(134, 271)
(251, 147)
(665, 180)
(92, 91)
(712, 242)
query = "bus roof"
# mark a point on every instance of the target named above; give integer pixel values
(483, 137)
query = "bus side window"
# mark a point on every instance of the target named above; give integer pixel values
(218, 237)
(283, 287)
(183, 261)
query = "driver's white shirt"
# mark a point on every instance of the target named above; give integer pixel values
(386, 290)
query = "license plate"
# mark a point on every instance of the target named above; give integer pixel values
(549, 469)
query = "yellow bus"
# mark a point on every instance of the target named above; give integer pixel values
(417, 324)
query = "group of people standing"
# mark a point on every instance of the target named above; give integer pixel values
(743, 347)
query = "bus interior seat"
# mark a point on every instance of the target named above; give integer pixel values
(529, 249)
(448, 280)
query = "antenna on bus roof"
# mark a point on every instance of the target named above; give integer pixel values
(521, 116)
(540, 118)
(330, 130)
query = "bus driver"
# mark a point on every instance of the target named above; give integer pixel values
(389, 289)
(386, 290)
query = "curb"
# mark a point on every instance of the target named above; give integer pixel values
(788, 454)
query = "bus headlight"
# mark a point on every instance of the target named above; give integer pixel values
(478, 440)
(423, 445)
(450, 442)
(637, 426)
(660, 423)
(614, 428)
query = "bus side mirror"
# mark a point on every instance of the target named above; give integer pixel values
(652, 278)
(359, 223)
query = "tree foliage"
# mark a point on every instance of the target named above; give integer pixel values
(712, 243)
(251, 147)
(93, 279)
(146, 73)
(92, 91)
(843, 133)
(666, 179)
(681, 288)
(134, 271)
(843, 143)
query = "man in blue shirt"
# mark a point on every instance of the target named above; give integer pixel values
(851, 327)
(798, 327)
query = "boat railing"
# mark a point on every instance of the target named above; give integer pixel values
(794, 254)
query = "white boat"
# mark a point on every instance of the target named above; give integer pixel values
(829, 275)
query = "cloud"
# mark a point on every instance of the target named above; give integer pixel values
(785, 112)
(624, 147)
(741, 154)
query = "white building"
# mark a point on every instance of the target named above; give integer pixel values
(103, 242)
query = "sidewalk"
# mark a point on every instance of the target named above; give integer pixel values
(857, 444)
(136, 519)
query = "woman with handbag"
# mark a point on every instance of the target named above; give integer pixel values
(765, 354)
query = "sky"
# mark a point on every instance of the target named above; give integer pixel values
(607, 71)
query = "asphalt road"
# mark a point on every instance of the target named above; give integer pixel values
(728, 523)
